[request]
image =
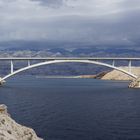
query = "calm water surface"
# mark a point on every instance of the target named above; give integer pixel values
(74, 109)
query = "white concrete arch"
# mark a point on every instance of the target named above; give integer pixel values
(66, 61)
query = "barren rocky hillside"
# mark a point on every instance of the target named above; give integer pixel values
(10, 130)
(116, 75)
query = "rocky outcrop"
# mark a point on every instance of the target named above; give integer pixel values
(135, 83)
(10, 130)
(101, 74)
(2, 81)
(98, 76)
(117, 75)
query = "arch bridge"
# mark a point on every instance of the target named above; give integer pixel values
(103, 61)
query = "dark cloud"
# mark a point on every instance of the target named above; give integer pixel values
(93, 21)
(51, 3)
(123, 30)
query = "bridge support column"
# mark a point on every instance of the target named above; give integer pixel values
(130, 66)
(113, 63)
(12, 66)
(29, 63)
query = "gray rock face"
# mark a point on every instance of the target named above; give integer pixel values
(10, 130)
(135, 83)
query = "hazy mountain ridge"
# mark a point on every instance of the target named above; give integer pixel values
(55, 48)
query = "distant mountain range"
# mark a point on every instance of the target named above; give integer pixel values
(55, 48)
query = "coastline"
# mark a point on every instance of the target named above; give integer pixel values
(105, 75)
(11, 130)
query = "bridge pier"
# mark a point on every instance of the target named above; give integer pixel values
(113, 63)
(12, 66)
(130, 65)
(2, 81)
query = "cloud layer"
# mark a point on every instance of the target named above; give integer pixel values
(95, 21)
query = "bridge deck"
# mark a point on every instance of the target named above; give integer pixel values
(69, 58)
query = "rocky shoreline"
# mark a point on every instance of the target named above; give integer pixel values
(114, 74)
(10, 130)
(117, 75)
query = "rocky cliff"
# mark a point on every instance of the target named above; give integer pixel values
(117, 75)
(10, 130)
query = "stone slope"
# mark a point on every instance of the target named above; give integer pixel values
(10, 130)
(116, 75)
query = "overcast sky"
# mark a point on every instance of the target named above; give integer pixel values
(95, 21)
